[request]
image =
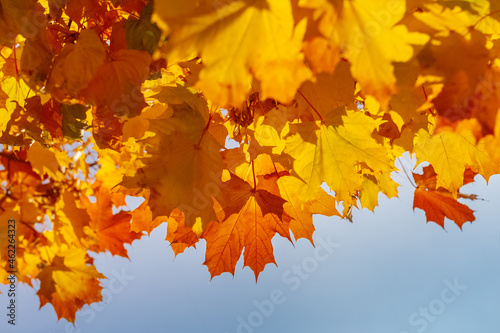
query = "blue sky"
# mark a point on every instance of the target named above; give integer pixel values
(388, 271)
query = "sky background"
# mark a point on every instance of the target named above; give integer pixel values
(389, 271)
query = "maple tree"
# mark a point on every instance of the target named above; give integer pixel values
(228, 118)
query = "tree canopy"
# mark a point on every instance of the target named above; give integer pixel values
(233, 120)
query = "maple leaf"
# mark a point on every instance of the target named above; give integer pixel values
(180, 236)
(301, 212)
(45, 161)
(68, 283)
(329, 151)
(107, 129)
(51, 118)
(8, 212)
(73, 120)
(23, 124)
(460, 95)
(142, 219)
(405, 113)
(373, 184)
(141, 34)
(18, 172)
(460, 16)
(36, 60)
(439, 203)
(127, 69)
(322, 54)
(16, 92)
(248, 218)
(130, 5)
(227, 117)
(225, 36)
(370, 42)
(70, 220)
(316, 97)
(111, 230)
(173, 173)
(78, 9)
(76, 65)
(17, 18)
(449, 153)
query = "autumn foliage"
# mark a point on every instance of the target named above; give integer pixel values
(230, 119)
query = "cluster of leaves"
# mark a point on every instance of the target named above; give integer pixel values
(227, 117)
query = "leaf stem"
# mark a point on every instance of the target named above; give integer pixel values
(15, 61)
(411, 181)
(304, 97)
(426, 99)
(485, 16)
(205, 130)
(254, 180)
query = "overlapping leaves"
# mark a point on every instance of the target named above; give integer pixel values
(234, 121)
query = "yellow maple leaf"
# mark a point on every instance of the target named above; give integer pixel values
(370, 38)
(70, 220)
(47, 161)
(237, 40)
(302, 211)
(68, 282)
(372, 185)
(16, 92)
(327, 92)
(332, 151)
(460, 17)
(449, 153)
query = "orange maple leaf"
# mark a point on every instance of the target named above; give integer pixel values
(142, 218)
(440, 203)
(127, 70)
(248, 218)
(178, 234)
(112, 230)
(69, 283)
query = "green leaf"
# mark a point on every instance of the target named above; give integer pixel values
(141, 34)
(73, 120)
